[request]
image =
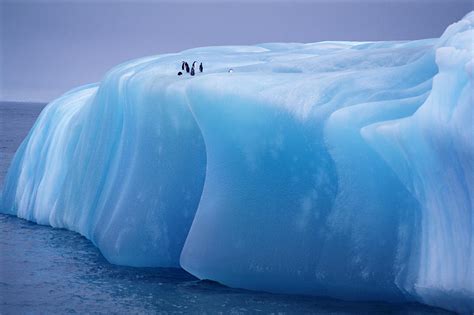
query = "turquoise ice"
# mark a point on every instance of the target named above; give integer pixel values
(342, 169)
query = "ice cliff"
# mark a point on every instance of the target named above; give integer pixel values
(342, 169)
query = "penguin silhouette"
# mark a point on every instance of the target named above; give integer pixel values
(200, 67)
(180, 73)
(182, 65)
(192, 71)
(194, 63)
(187, 67)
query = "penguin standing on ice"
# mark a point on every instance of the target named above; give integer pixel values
(182, 65)
(200, 67)
(192, 71)
(194, 63)
(186, 66)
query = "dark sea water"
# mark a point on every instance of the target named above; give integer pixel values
(53, 271)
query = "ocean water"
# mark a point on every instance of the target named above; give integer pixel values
(48, 271)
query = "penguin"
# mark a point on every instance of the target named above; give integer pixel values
(194, 63)
(180, 73)
(200, 67)
(231, 70)
(192, 71)
(187, 67)
(182, 65)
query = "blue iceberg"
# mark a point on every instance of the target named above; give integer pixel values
(341, 169)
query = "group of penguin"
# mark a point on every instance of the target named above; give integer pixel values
(185, 66)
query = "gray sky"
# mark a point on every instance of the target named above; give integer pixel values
(49, 47)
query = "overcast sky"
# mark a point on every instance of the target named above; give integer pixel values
(49, 47)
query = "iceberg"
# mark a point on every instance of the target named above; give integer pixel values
(341, 169)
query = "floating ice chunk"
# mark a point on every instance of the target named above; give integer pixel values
(341, 169)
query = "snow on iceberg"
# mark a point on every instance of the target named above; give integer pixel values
(341, 169)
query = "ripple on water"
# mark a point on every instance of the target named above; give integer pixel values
(57, 271)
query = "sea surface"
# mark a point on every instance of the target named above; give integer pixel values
(44, 270)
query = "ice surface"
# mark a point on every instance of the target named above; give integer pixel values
(341, 169)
